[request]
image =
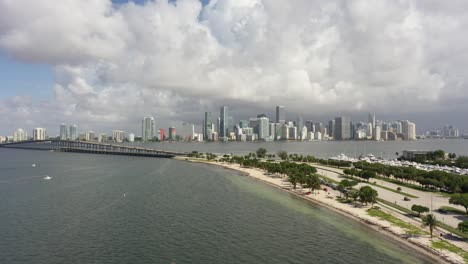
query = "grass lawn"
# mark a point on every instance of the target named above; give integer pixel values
(453, 210)
(410, 229)
(447, 246)
(380, 186)
(396, 206)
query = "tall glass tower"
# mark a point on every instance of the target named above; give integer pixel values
(280, 114)
(223, 121)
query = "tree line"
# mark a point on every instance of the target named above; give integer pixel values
(430, 180)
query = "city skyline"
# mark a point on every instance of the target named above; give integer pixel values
(318, 67)
(263, 128)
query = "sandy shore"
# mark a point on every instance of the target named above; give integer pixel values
(420, 243)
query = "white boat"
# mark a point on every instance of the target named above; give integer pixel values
(47, 177)
(33, 165)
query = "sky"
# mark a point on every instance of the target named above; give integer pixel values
(105, 64)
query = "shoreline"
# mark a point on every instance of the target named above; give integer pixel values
(380, 226)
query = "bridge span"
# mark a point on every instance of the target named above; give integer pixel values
(91, 147)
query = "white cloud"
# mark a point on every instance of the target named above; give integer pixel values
(115, 63)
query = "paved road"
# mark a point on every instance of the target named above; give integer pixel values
(427, 199)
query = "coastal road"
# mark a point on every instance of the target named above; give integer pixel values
(427, 199)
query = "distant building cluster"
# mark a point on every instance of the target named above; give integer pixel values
(447, 131)
(262, 128)
(222, 127)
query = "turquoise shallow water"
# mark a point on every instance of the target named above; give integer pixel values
(112, 209)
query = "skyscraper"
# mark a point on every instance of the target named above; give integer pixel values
(223, 121)
(118, 135)
(331, 128)
(310, 126)
(408, 130)
(300, 123)
(207, 124)
(263, 129)
(73, 132)
(19, 135)
(63, 132)
(372, 120)
(280, 114)
(172, 133)
(148, 128)
(162, 134)
(342, 128)
(39, 133)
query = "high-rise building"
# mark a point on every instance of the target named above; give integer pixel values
(310, 125)
(118, 135)
(253, 123)
(90, 136)
(319, 127)
(207, 125)
(172, 133)
(223, 122)
(19, 135)
(408, 130)
(102, 137)
(342, 128)
(284, 132)
(39, 133)
(377, 133)
(303, 133)
(300, 123)
(148, 128)
(73, 132)
(280, 114)
(243, 123)
(162, 134)
(331, 128)
(131, 137)
(372, 120)
(63, 132)
(263, 129)
(292, 132)
(450, 131)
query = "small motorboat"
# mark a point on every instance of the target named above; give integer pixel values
(33, 165)
(47, 177)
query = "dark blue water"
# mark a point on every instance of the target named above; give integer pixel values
(113, 209)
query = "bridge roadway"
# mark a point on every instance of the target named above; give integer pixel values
(91, 147)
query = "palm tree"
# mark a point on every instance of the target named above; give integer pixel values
(430, 221)
(313, 182)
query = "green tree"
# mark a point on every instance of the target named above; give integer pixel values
(460, 199)
(462, 161)
(463, 226)
(261, 152)
(438, 154)
(345, 184)
(283, 155)
(313, 182)
(367, 195)
(419, 209)
(367, 175)
(293, 179)
(429, 221)
(354, 194)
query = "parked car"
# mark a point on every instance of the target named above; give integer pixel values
(442, 211)
(406, 199)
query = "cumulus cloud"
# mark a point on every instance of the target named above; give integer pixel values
(115, 63)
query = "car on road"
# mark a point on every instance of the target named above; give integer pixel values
(406, 199)
(442, 211)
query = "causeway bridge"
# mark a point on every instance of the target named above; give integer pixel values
(91, 147)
